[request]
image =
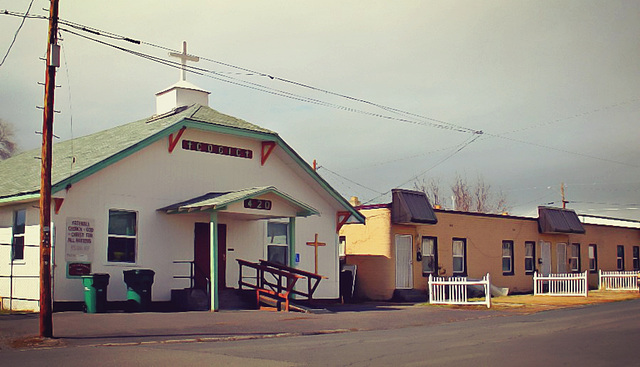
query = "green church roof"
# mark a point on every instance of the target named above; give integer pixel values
(20, 175)
(78, 158)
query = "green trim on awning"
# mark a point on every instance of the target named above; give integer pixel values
(216, 202)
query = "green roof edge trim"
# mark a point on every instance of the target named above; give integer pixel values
(200, 125)
(324, 184)
(272, 190)
(20, 197)
(307, 210)
(115, 158)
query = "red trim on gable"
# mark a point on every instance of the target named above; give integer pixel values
(57, 204)
(341, 220)
(172, 142)
(270, 145)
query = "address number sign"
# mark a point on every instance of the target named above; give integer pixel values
(257, 204)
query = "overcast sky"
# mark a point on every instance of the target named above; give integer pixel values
(553, 85)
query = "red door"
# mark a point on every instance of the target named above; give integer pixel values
(202, 255)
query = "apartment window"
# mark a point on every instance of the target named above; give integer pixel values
(122, 236)
(593, 258)
(507, 257)
(620, 257)
(636, 257)
(574, 260)
(278, 242)
(429, 256)
(342, 246)
(529, 257)
(17, 243)
(459, 257)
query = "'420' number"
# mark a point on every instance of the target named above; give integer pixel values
(257, 204)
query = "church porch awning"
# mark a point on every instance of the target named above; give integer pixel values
(250, 203)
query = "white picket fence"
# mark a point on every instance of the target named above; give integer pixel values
(572, 284)
(618, 280)
(453, 290)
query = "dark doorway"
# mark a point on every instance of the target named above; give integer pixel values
(202, 258)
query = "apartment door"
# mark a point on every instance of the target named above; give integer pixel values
(561, 257)
(404, 265)
(545, 255)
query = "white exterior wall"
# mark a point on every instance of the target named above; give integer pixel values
(152, 178)
(20, 280)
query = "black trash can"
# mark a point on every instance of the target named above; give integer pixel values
(95, 292)
(139, 282)
(347, 282)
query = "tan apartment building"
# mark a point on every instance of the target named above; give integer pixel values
(403, 242)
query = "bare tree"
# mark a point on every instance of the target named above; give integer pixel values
(8, 145)
(481, 196)
(466, 197)
(462, 195)
(432, 189)
(502, 203)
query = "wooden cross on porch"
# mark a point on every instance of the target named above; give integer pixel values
(316, 244)
(184, 57)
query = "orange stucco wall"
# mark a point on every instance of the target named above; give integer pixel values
(372, 248)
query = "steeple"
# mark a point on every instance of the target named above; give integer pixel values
(182, 93)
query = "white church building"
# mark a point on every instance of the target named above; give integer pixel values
(165, 193)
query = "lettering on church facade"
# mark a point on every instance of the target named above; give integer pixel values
(217, 149)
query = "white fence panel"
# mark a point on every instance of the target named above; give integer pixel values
(572, 284)
(453, 291)
(618, 280)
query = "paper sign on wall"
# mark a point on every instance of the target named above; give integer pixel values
(79, 239)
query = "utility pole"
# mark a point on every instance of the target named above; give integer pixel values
(53, 61)
(564, 202)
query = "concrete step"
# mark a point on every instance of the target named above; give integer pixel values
(409, 295)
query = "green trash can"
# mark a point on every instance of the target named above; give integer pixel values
(95, 292)
(139, 283)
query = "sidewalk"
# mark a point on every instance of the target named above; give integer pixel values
(80, 329)
(76, 328)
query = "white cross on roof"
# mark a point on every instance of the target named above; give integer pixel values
(184, 57)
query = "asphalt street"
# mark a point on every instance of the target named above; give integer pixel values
(596, 335)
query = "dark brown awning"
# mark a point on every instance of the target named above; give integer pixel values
(556, 220)
(411, 207)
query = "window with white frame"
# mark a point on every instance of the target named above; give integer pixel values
(17, 242)
(429, 256)
(620, 257)
(278, 242)
(593, 258)
(459, 257)
(529, 257)
(122, 236)
(574, 259)
(636, 257)
(507, 257)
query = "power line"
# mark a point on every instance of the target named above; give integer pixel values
(15, 36)
(583, 114)
(459, 149)
(347, 179)
(562, 150)
(431, 122)
(228, 79)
